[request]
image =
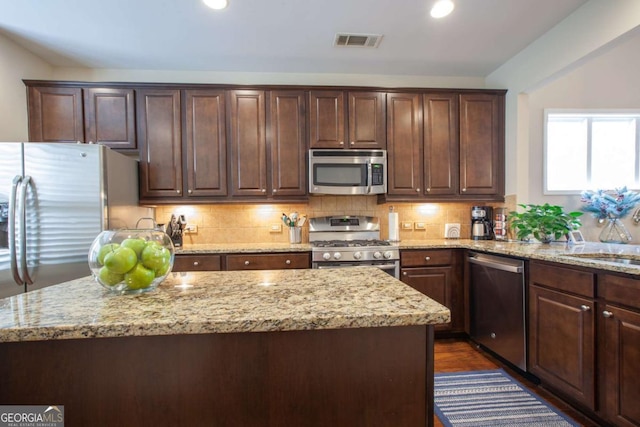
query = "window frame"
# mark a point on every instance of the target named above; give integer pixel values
(587, 112)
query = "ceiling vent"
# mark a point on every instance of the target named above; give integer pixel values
(357, 40)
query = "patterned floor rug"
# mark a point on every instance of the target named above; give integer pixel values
(491, 398)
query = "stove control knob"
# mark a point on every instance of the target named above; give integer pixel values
(357, 255)
(337, 255)
(387, 255)
(377, 255)
(326, 256)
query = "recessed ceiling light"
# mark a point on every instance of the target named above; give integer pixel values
(216, 4)
(442, 8)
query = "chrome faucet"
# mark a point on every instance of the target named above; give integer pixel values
(636, 216)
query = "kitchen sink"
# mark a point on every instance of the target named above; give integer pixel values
(629, 259)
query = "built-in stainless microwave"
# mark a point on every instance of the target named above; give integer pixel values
(347, 172)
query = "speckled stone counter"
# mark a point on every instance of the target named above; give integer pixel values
(220, 302)
(555, 252)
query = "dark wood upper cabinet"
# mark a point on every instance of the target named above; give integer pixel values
(55, 114)
(206, 143)
(481, 144)
(441, 143)
(326, 119)
(287, 139)
(362, 120)
(109, 117)
(404, 144)
(248, 143)
(159, 135)
(367, 120)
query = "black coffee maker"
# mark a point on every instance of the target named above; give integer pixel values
(481, 225)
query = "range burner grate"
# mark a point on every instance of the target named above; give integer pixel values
(349, 243)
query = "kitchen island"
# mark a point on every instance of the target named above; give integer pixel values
(262, 348)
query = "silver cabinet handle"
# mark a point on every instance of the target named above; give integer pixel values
(341, 142)
(607, 314)
(263, 190)
(275, 190)
(404, 273)
(464, 189)
(288, 262)
(13, 251)
(585, 307)
(26, 183)
(353, 143)
(427, 258)
(417, 190)
(178, 191)
(190, 191)
(428, 190)
(246, 263)
(196, 263)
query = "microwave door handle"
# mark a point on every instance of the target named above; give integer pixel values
(369, 176)
(23, 230)
(13, 253)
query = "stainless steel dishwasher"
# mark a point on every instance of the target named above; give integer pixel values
(497, 299)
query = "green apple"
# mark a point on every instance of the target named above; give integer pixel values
(108, 277)
(134, 243)
(121, 260)
(155, 257)
(163, 270)
(139, 277)
(109, 247)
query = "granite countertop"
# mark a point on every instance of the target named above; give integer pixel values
(558, 252)
(220, 302)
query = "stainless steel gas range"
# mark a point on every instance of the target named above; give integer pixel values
(348, 241)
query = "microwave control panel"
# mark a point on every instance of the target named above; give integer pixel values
(377, 174)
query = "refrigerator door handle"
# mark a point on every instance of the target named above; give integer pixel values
(23, 230)
(17, 182)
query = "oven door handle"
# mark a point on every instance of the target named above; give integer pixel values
(347, 265)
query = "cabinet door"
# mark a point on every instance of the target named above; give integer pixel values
(441, 163)
(248, 143)
(481, 145)
(621, 365)
(158, 113)
(206, 143)
(367, 118)
(562, 343)
(434, 282)
(404, 144)
(55, 114)
(326, 119)
(109, 117)
(287, 110)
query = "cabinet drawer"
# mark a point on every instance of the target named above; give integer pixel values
(621, 290)
(268, 261)
(197, 263)
(563, 279)
(426, 258)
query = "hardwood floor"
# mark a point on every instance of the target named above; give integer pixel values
(454, 355)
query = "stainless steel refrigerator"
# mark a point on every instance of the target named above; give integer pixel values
(54, 200)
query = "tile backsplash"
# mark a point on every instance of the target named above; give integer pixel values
(251, 223)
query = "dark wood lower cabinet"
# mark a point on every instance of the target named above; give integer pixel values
(437, 273)
(344, 377)
(562, 343)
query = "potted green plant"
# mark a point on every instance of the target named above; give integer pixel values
(544, 222)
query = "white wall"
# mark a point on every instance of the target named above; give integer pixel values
(16, 64)
(168, 76)
(607, 82)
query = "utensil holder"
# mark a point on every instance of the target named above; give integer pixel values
(295, 234)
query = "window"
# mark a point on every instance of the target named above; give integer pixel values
(588, 150)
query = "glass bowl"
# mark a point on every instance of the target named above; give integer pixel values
(131, 261)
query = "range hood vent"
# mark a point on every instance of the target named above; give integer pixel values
(357, 40)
